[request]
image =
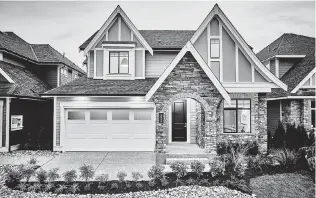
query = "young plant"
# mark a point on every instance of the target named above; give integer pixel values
(204, 182)
(53, 175)
(128, 185)
(32, 161)
(73, 188)
(114, 186)
(103, 178)
(22, 187)
(70, 176)
(136, 176)
(87, 187)
(179, 169)
(139, 185)
(121, 176)
(13, 175)
(35, 187)
(197, 167)
(41, 176)
(49, 187)
(164, 181)
(156, 172)
(152, 183)
(86, 172)
(217, 167)
(28, 171)
(60, 189)
(191, 181)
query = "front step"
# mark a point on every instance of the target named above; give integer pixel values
(186, 160)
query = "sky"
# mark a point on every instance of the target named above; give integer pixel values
(66, 25)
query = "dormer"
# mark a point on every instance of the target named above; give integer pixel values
(117, 50)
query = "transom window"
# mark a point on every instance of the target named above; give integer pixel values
(119, 62)
(215, 48)
(237, 116)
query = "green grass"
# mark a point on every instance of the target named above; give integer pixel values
(283, 185)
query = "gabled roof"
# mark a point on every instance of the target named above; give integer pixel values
(92, 87)
(189, 48)
(116, 12)
(37, 53)
(26, 84)
(294, 76)
(216, 11)
(288, 44)
(159, 39)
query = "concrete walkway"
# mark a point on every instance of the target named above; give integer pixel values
(104, 162)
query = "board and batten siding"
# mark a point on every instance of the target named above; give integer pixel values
(229, 58)
(156, 64)
(201, 45)
(50, 76)
(139, 63)
(244, 66)
(273, 115)
(91, 64)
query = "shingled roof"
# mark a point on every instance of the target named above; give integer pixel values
(292, 44)
(158, 39)
(26, 83)
(288, 44)
(38, 53)
(90, 87)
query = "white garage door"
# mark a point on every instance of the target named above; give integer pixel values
(109, 130)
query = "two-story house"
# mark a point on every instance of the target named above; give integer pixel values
(148, 90)
(291, 58)
(27, 70)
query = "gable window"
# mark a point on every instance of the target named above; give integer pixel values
(215, 48)
(119, 62)
(237, 116)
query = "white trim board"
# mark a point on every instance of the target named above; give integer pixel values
(128, 22)
(6, 76)
(189, 48)
(285, 56)
(216, 11)
(292, 97)
(304, 81)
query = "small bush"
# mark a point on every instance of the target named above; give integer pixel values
(86, 172)
(60, 189)
(152, 183)
(179, 169)
(87, 187)
(103, 178)
(32, 161)
(217, 167)
(139, 185)
(53, 175)
(22, 187)
(197, 167)
(121, 176)
(128, 185)
(204, 182)
(307, 156)
(259, 163)
(114, 186)
(137, 176)
(226, 147)
(74, 188)
(239, 185)
(285, 158)
(49, 187)
(191, 182)
(41, 176)
(239, 162)
(28, 171)
(35, 187)
(156, 172)
(70, 176)
(13, 175)
(164, 181)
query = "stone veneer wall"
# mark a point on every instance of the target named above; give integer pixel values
(200, 125)
(297, 112)
(258, 121)
(187, 80)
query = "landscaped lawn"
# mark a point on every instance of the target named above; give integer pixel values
(283, 185)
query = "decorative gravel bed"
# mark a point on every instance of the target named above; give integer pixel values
(29, 153)
(182, 191)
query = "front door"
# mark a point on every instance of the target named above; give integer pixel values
(179, 121)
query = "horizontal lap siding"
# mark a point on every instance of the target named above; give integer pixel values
(156, 64)
(285, 65)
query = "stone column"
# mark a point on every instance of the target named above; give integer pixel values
(210, 130)
(262, 125)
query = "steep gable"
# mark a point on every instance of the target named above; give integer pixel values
(236, 61)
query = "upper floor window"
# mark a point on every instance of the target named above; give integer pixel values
(215, 48)
(119, 62)
(237, 116)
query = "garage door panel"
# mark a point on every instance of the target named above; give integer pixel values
(108, 134)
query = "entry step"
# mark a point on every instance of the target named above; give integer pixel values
(186, 161)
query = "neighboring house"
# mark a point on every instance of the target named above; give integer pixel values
(27, 70)
(291, 58)
(149, 89)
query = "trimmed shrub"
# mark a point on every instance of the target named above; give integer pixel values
(53, 175)
(70, 176)
(41, 176)
(136, 176)
(217, 167)
(156, 172)
(279, 135)
(86, 172)
(121, 176)
(179, 169)
(197, 167)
